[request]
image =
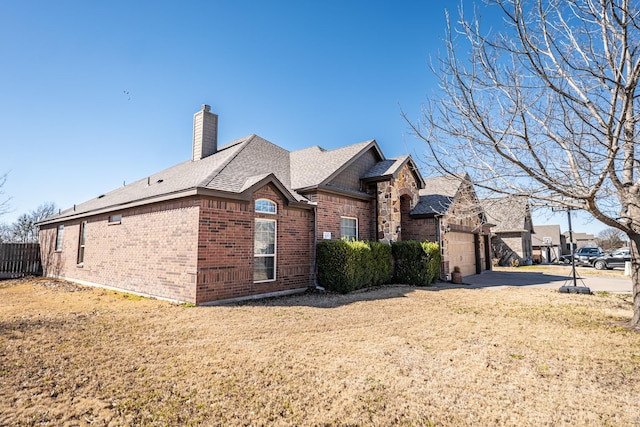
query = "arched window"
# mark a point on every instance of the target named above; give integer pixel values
(265, 206)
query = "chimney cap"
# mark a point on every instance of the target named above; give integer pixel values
(206, 108)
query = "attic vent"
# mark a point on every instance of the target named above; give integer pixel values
(101, 196)
(159, 181)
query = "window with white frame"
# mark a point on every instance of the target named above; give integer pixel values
(59, 235)
(81, 242)
(349, 228)
(265, 206)
(264, 250)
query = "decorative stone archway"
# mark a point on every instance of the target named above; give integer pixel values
(405, 210)
(390, 195)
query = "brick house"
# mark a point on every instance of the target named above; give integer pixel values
(237, 221)
(580, 240)
(511, 237)
(449, 212)
(547, 243)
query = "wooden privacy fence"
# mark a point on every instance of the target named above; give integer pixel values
(19, 259)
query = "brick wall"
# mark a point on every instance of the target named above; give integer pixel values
(151, 251)
(196, 250)
(332, 206)
(225, 248)
(420, 229)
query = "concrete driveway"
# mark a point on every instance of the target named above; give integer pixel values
(502, 279)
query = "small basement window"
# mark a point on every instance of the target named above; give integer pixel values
(115, 219)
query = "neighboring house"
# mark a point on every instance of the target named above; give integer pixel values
(511, 236)
(580, 240)
(450, 213)
(547, 243)
(236, 221)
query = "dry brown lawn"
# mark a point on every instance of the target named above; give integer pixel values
(396, 355)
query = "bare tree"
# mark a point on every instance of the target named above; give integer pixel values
(545, 106)
(4, 202)
(5, 233)
(610, 239)
(25, 228)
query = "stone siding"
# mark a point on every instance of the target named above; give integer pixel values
(389, 193)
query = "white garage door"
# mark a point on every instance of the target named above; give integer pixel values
(462, 252)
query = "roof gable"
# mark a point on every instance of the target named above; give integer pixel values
(437, 195)
(349, 178)
(543, 231)
(391, 168)
(313, 167)
(258, 157)
(509, 214)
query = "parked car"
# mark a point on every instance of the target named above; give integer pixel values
(584, 256)
(565, 258)
(616, 258)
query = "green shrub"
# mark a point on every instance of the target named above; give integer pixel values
(434, 260)
(345, 266)
(416, 263)
(333, 265)
(381, 262)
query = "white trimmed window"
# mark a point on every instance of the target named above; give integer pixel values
(265, 206)
(264, 250)
(59, 235)
(349, 228)
(81, 242)
(115, 219)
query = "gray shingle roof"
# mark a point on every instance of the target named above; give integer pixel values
(437, 195)
(508, 213)
(385, 167)
(234, 168)
(258, 157)
(315, 166)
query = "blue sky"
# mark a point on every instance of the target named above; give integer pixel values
(99, 93)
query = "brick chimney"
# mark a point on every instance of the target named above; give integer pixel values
(205, 133)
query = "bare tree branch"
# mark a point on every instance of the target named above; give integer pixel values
(547, 108)
(4, 202)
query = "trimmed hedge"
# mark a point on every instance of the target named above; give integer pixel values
(345, 266)
(434, 260)
(416, 263)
